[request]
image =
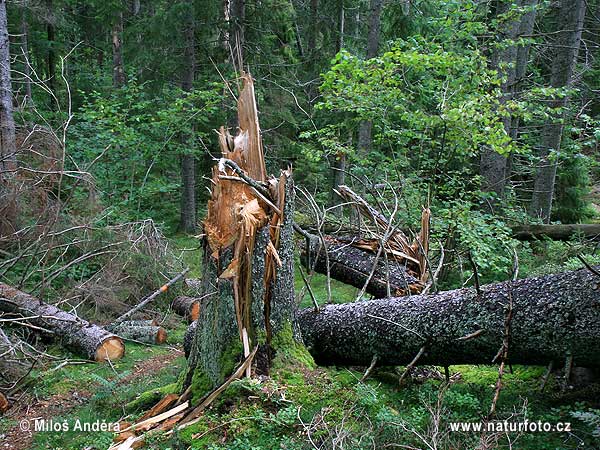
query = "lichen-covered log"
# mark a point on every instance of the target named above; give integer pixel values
(188, 307)
(140, 330)
(352, 265)
(82, 337)
(552, 317)
(557, 232)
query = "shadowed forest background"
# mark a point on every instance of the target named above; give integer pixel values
(487, 112)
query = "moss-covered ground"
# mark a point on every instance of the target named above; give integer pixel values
(301, 406)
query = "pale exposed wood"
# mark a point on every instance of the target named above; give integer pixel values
(166, 402)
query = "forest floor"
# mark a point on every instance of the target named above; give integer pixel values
(301, 407)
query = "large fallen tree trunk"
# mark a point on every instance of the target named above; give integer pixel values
(188, 307)
(84, 338)
(559, 232)
(353, 265)
(552, 317)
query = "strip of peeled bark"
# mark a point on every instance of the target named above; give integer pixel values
(188, 307)
(140, 331)
(558, 232)
(552, 316)
(84, 338)
(353, 265)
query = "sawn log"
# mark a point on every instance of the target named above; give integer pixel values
(82, 337)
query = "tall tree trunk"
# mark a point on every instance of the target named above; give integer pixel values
(238, 26)
(8, 148)
(365, 129)
(188, 163)
(248, 263)
(51, 57)
(551, 317)
(493, 164)
(572, 13)
(25, 55)
(117, 47)
(525, 31)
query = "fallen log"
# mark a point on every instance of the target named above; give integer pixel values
(559, 232)
(146, 331)
(552, 317)
(353, 265)
(82, 337)
(188, 307)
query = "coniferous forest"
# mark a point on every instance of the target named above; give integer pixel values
(299, 224)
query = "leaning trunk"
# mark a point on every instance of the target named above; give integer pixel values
(84, 338)
(552, 317)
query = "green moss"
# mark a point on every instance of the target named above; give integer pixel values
(149, 398)
(200, 386)
(230, 359)
(290, 352)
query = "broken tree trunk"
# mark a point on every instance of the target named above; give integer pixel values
(351, 261)
(248, 274)
(558, 232)
(146, 331)
(4, 404)
(552, 317)
(188, 307)
(82, 337)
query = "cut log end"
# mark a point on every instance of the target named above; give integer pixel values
(161, 335)
(195, 311)
(111, 349)
(4, 404)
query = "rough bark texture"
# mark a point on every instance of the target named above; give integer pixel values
(365, 129)
(84, 338)
(352, 265)
(188, 307)
(559, 232)
(146, 333)
(7, 123)
(572, 13)
(493, 164)
(188, 162)
(552, 316)
(248, 273)
(117, 47)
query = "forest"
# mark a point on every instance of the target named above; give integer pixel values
(299, 224)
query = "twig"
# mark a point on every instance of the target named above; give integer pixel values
(503, 354)
(470, 335)
(411, 365)
(151, 297)
(546, 376)
(588, 266)
(475, 272)
(369, 369)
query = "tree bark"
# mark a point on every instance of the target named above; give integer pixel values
(84, 338)
(8, 147)
(493, 164)
(117, 47)
(248, 256)
(559, 232)
(238, 29)
(188, 162)
(26, 59)
(365, 129)
(353, 266)
(188, 307)
(51, 57)
(552, 317)
(563, 65)
(148, 332)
